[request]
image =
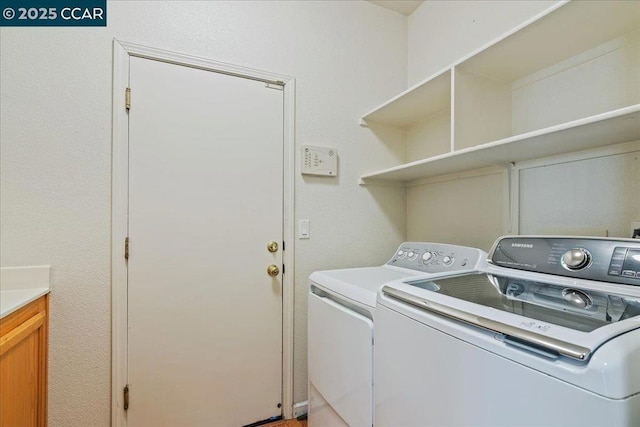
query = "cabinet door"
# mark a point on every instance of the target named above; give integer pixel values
(23, 373)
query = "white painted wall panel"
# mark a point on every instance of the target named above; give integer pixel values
(586, 85)
(601, 193)
(55, 129)
(467, 211)
(430, 137)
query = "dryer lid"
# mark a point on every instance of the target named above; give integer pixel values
(358, 284)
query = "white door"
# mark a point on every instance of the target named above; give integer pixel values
(205, 198)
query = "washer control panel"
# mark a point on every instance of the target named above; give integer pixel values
(436, 257)
(603, 259)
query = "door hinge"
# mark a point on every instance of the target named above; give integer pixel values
(275, 85)
(283, 245)
(126, 248)
(282, 268)
(126, 397)
(127, 98)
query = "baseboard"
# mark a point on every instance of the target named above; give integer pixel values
(300, 408)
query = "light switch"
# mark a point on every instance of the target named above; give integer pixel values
(303, 229)
(321, 161)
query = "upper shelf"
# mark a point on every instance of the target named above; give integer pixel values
(550, 38)
(610, 128)
(560, 32)
(416, 103)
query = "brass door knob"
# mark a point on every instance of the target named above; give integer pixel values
(272, 246)
(273, 270)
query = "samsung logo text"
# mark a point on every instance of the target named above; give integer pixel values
(522, 245)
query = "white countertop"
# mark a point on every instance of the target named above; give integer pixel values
(21, 285)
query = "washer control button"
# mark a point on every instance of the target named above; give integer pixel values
(412, 255)
(576, 259)
(447, 260)
(426, 257)
(401, 253)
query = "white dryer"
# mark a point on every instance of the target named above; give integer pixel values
(341, 328)
(547, 334)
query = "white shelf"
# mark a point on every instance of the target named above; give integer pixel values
(560, 32)
(415, 104)
(555, 35)
(566, 80)
(609, 128)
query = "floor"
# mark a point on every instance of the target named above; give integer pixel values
(287, 423)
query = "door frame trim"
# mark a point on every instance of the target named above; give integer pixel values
(122, 52)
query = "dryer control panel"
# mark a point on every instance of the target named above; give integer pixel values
(602, 259)
(436, 257)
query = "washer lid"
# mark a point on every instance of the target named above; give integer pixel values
(549, 316)
(579, 309)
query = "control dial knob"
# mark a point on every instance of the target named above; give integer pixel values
(576, 258)
(577, 298)
(426, 257)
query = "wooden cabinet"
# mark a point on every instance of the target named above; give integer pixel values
(23, 365)
(567, 80)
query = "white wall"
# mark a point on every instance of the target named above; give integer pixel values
(595, 194)
(55, 132)
(460, 210)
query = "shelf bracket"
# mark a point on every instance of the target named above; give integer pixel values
(365, 182)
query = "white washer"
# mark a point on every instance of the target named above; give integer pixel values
(547, 334)
(340, 328)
